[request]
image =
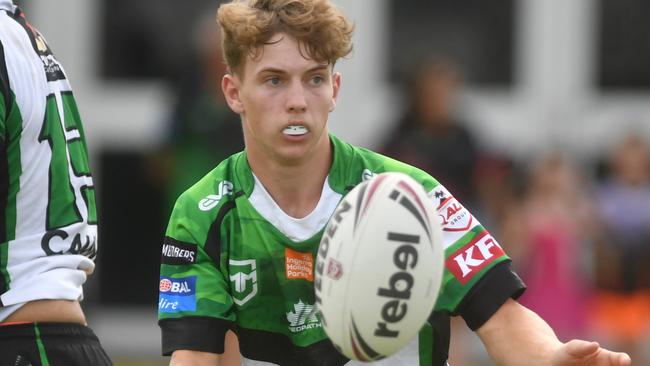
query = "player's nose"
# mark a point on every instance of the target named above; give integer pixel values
(296, 101)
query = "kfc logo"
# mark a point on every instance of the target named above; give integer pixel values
(474, 256)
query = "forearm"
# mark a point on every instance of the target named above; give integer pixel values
(515, 335)
(193, 358)
(230, 357)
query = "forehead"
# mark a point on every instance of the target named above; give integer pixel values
(283, 53)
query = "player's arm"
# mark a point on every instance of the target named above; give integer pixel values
(194, 358)
(514, 335)
(230, 357)
(194, 306)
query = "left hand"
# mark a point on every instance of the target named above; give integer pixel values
(583, 353)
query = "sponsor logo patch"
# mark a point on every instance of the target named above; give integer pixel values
(177, 294)
(243, 279)
(177, 252)
(299, 265)
(302, 317)
(212, 200)
(473, 257)
(57, 242)
(453, 216)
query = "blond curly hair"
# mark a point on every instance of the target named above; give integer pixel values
(322, 30)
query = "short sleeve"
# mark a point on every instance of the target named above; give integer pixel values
(478, 276)
(194, 304)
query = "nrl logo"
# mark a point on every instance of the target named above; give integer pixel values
(244, 280)
(302, 317)
(212, 200)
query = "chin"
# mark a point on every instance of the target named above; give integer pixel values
(294, 154)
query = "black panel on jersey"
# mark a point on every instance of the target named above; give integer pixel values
(441, 334)
(486, 297)
(4, 82)
(213, 242)
(4, 164)
(193, 333)
(278, 349)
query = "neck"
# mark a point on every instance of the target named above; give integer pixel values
(295, 186)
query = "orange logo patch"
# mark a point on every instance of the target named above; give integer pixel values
(299, 265)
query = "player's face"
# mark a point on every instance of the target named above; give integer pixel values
(284, 100)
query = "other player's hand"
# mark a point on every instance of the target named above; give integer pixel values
(583, 353)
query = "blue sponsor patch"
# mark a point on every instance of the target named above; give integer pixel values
(177, 294)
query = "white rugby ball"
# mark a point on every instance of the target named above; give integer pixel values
(379, 267)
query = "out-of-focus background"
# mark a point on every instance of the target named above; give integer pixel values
(536, 114)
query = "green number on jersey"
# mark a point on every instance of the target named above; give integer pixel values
(62, 209)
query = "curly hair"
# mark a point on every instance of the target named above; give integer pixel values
(322, 30)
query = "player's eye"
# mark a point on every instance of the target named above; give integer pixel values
(317, 80)
(273, 80)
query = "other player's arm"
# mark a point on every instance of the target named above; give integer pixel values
(515, 335)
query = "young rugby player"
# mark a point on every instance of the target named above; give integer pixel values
(239, 249)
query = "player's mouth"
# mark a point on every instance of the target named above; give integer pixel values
(295, 130)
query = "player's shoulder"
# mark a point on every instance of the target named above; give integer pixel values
(212, 191)
(12, 32)
(353, 164)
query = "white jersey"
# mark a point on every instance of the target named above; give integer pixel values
(48, 229)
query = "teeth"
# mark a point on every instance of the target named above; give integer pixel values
(295, 130)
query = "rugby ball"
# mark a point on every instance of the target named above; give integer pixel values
(379, 267)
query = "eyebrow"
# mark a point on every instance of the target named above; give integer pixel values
(273, 70)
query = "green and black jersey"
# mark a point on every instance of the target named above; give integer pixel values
(231, 259)
(48, 228)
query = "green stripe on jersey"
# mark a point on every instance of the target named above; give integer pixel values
(425, 340)
(41, 348)
(12, 133)
(14, 130)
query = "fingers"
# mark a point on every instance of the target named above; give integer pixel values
(583, 353)
(579, 349)
(619, 359)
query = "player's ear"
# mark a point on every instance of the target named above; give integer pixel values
(336, 85)
(230, 86)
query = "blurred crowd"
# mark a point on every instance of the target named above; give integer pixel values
(578, 233)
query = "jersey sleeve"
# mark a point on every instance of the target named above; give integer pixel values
(194, 304)
(478, 276)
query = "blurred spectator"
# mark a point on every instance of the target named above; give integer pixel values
(430, 137)
(556, 218)
(203, 130)
(496, 186)
(622, 305)
(624, 200)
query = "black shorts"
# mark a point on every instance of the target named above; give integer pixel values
(50, 344)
